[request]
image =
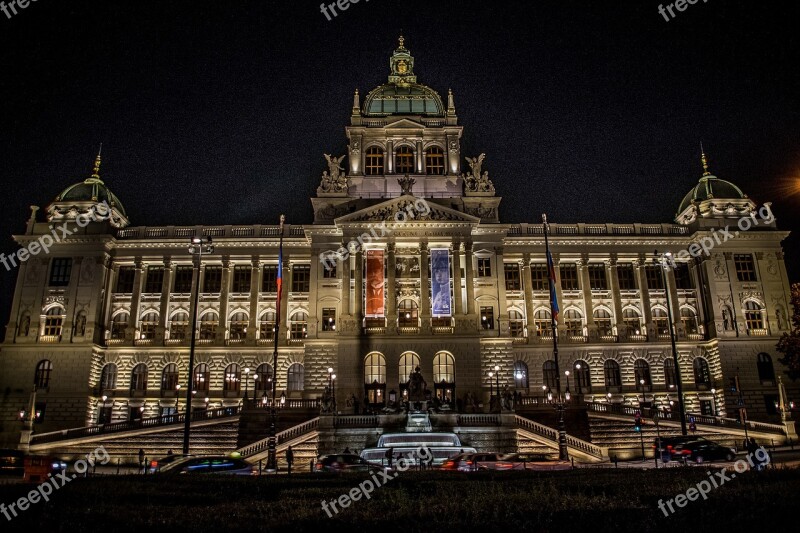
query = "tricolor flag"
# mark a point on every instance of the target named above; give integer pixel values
(551, 273)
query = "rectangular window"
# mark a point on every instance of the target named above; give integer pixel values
(627, 277)
(484, 267)
(241, 278)
(60, 269)
(706, 408)
(301, 278)
(655, 280)
(154, 281)
(212, 279)
(183, 279)
(569, 277)
(513, 281)
(125, 279)
(329, 319)
(329, 272)
(683, 278)
(745, 267)
(487, 317)
(539, 281)
(597, 277)
(269, 281)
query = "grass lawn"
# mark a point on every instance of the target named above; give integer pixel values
(581, 500)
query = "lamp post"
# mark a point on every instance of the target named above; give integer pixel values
(198, 249)
(663, 261)
(714, 401)
(644, 399)
(246, 381)
(567, 395)
(491, 390)
(333, 391)
(577, 380)
(272, 461)
(497, 380)
(255, 387)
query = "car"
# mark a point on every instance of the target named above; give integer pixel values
(157, 464)
(703, 450)
(345, 462)
(668, 443)
(470, 462)
(519, 461)
(215, 464)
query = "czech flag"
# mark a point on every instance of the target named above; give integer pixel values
(279, 281)
(551, 274)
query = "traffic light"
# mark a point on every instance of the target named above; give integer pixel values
(637, 423)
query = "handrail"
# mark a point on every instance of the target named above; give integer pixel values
(282, 436)
(478, 419)
(355, 421)
(552, 434)
(117, 427)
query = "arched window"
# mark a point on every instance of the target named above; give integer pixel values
(108, 377)
(542, 319)
(521, 375)
(296, 377)
(404, 160)
(208, 325)
(574, 322)
(434, 161)
(602, 319)
(373, 164)
(263, 377)
(408, 313)
(583, 380)
(42, 376)
(266, 325)
(233, 378)
(179, 325)
(374, 368)
(689, 320)
(516, 323)
(549, 374)
(169, 378)
(660, 321)
(753, 315)
(633, 320)
(298, 325)
(444, 376)
(670, 377)
(238, 325)
(139, 378)
(702, 377)
(766, 372)
(119, 325)
(612, 374)
(408, 362)
(201, 377)
(54, 321)
(641, 374)
(148, 325)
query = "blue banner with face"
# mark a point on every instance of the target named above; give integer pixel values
(440, 282)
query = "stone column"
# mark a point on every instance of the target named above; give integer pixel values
(283, 339)
(166, 288)
(391, 294)
(562, 305)
(424, 288)
(112, 275)
(255, 287)
(644, 294)
(588, 303)
(457, 303)
(71, 307)
(359, 292)
(313, 288)
(196, 287)
(389, 160)
(136, 297)
(616, 297)
(527, 286)
(469, 260)
(420, 163)
(223, 297)
(672, 287)
(502, 304)
(344, 267)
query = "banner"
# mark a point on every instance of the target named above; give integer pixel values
(440, 282)
(375, 284)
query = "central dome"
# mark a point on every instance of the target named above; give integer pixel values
(403, 95)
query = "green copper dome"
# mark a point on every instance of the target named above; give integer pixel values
(711, 187)
(91, 189)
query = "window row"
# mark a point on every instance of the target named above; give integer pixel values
(444, 375)
(404, 161)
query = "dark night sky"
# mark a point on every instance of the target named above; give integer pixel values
(219, 112)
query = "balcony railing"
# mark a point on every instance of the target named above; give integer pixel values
(50, 338)
(408, 330)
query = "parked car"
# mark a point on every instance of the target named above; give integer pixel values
(345, 462)
(16, 465)
(217, 464)
(668, 443)
(12, 464)
(470, 462)
(703, 450)
(157, 464)
(520, 461)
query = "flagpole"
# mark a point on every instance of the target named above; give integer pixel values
(563, 452)
(272, 463)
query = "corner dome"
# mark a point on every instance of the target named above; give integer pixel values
(82, 197)
(403, 95)
(713, 197)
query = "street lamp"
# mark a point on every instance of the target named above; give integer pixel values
(497, 379)
(663, 261)
(333, 391)
(644, 399)
(491, 390)
(578, 381)
(198, 249)
(714, 401)
(567, 394)
(549, 395)
(283, 399)
(255, 386)
(246, 380)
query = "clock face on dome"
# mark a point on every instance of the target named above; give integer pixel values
(402, 66)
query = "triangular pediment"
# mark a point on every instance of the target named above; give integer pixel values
(405, 123)
(407, 208)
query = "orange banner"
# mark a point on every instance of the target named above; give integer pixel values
(375, 284)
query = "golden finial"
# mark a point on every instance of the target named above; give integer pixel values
(402, 40)
(704, 160)
(96, 170)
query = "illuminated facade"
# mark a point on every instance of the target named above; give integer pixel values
(406, 264)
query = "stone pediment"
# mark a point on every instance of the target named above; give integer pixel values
(407, 208)
(405, 123)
